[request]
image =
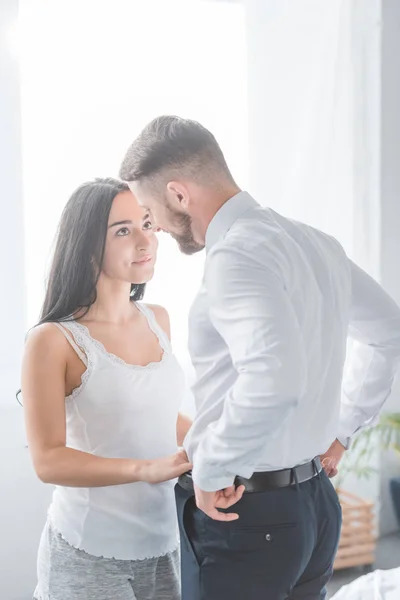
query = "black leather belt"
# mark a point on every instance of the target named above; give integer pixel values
(268, 480)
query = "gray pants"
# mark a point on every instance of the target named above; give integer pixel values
(65, 573)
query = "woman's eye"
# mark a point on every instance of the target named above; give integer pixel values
(148, 225)
(123, 231)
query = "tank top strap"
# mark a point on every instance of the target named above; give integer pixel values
(155, 327)
(75, 335)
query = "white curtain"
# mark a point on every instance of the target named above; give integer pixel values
(301, 126)
(314, 106)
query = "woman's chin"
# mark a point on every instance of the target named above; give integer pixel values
(145, 277)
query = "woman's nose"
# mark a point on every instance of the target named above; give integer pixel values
(142, 241)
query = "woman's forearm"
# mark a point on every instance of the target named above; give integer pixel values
(73, 468)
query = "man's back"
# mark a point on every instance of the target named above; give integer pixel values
(268, 335)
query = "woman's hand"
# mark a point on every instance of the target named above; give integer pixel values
(164, 469)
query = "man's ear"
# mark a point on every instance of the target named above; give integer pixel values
(178, 195)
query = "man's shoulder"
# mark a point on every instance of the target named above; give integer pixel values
(276, 243)
(257, 231)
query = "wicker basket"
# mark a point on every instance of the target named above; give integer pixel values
(357, 541)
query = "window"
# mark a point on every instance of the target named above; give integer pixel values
(93, 74)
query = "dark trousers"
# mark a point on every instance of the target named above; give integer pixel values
(281, 548)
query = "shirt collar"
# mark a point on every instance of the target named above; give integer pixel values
(229, 212)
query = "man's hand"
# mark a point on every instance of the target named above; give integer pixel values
(210, 502)
(332, 458)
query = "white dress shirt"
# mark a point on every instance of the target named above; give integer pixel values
(267, 337)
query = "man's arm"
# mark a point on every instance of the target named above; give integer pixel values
(251, 310)
(368, 380)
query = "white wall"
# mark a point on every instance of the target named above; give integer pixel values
(390, 211)
(12, 300)
(23, 498)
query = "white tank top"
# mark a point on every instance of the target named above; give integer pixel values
(121, 411)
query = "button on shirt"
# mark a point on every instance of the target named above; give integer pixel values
(267, 336)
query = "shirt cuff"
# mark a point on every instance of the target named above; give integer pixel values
(208, 479)
(345, 441)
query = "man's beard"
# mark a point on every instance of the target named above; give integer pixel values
(185, 240)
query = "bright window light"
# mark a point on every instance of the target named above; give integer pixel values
(93, 74)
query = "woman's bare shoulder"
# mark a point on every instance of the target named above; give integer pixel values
(46, 338)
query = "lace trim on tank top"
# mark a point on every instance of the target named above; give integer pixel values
(82, 340)
(79, 344)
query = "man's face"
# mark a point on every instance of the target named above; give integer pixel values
(171, 220)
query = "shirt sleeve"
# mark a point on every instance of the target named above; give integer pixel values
(252, 311)
(374, 356)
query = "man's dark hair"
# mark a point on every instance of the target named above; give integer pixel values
(172, 145)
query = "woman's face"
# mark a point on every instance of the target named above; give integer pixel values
(131, 244)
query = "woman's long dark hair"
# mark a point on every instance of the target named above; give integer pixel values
(79, 251)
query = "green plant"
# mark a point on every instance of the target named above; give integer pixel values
(357, 460)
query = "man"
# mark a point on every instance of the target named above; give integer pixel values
(268, 334)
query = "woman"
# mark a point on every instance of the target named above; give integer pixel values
(101, 393)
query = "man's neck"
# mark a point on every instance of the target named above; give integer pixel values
(214, 204)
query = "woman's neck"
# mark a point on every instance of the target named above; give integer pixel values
(113, 303)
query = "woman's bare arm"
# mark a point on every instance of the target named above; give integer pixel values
(43, 391)
(183, 425)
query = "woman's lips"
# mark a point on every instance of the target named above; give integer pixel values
(143, 260)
